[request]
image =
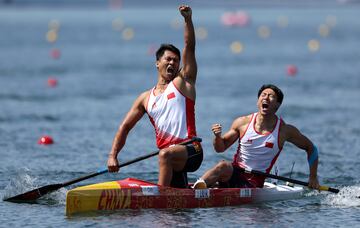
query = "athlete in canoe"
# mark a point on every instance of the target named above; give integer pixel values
(170, 106)
(261, 137)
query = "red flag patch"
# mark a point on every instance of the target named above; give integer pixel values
(171, 95)
(269, 144)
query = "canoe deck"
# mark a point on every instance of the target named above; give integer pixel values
(132, 193)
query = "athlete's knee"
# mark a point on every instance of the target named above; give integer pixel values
(165, 155)
(223, 166)
(224, 171)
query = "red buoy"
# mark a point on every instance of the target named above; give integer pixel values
(45, 140)
(55, 53)
(239, 18)
(52, 82)
(291, 70)
(242, 18)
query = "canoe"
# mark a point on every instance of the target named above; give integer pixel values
(133, 193)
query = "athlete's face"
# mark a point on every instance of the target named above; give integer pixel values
(267, 102)
(168, 65)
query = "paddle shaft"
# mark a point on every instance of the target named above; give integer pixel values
(106, 170)
(256, 172)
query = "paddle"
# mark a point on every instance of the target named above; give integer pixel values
(37, 193)
(322, 188)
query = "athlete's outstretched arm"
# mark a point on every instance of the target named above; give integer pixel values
(189, 69)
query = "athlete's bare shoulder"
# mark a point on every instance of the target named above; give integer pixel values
(146, 93)
(241, 122)
(285, 127)
(143, 98)
(181, 80)
(288, 131)
(186, 87)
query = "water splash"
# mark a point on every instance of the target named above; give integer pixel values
(58, 197)
(314, 193)
(23, 182)
(347, 197)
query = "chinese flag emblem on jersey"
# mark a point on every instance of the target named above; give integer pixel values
(170, 95)
(269, 144)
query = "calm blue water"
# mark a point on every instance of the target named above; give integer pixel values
(100, 74)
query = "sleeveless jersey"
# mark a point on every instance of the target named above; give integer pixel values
(258, 151)
(173, 116)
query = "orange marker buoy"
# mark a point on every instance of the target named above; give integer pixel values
(45, 140)
(291, 70)
(55, 53)
(52, 82)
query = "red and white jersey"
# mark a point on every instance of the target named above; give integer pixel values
(172, 115)
(258, 151)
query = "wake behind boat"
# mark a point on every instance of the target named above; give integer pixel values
(133, 193)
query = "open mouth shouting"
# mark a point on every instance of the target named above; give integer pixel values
(265, 106)
(170, 70)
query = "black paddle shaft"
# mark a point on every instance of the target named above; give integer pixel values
(256, 172)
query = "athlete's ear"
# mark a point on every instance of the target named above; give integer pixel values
(157, 64)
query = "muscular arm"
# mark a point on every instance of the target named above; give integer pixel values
(221, 143)
(189, 69)
(301, 141)
(132, 117)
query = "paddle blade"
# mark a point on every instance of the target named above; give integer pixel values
(34, 194)
(326, 188)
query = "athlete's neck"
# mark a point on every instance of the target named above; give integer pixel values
(161, 85)
(265, 123)
(163, 82)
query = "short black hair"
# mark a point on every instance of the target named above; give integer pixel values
(165, 47)
(279, 93)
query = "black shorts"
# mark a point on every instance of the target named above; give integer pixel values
(240, 179)
(195, 157)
